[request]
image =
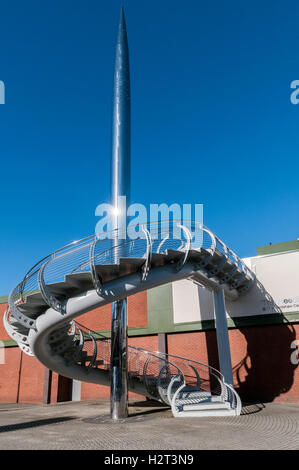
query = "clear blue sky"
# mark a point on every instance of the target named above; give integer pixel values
(212, 121)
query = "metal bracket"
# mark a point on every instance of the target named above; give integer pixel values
(248, 285)
(12, 331)
(237, 283)
(20, 317)
(219, 267)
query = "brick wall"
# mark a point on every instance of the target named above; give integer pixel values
(260, 355)
(261, 359)
(22, 376)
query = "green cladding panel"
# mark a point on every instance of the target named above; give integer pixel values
(278, 248)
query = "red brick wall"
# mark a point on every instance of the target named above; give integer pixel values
(9, 375)
(31, 380)
(3, 334)
(260, 356)
(22, 377)
(100, 318)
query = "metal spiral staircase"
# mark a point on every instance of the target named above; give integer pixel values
(96, 271)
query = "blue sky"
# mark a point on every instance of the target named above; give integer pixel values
(212, 120)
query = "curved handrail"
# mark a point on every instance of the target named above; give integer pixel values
(187, 247)
(98, 238)
(238, 406)
(157, 355)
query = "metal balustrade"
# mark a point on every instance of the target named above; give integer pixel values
(173, 380)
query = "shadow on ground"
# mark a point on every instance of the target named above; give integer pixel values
(33, 424)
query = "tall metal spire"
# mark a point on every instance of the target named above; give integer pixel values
(120, 187)
(121, 122)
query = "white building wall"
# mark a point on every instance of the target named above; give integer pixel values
(277, 291)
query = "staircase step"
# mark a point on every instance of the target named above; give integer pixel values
(107, 272)
(205, 413)
(79, 282)
(216, 405)
(229, 265)
(218, 255)
(158, 259)
(61, 289)
(195, 394)
(32, 310)
(130, 265)
(17, 327)
(197, 400)
(137, 262)
(36, 299)
(174, 255)
(199, 255)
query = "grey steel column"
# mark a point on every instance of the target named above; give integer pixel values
(120, 187)
(222, 337)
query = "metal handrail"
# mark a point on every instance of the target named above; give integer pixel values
(54, 253)
(187, 245)
(157, 355)
(68, 260)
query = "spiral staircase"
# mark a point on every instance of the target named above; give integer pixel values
(98, 270)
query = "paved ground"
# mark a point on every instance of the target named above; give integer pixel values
(86, 425)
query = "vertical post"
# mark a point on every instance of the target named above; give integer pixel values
(19, 378)
(120, 188)
(119, 370)
(47, 386)
(222, 337)
(76, 390)
(162, 343)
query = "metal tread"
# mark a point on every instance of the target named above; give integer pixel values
(208, 405)
(158, 259)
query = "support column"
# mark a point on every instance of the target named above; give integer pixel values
(47, 386)
(222, 337)
(162, 343)
(119, 370)
(76, 390)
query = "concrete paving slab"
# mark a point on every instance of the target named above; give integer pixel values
(87, 425)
